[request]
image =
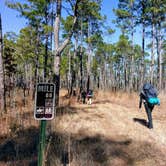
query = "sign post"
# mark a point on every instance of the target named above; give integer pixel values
(42, 139)
(44, 110)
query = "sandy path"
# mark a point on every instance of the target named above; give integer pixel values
(124, 141)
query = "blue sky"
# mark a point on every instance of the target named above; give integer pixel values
(11, 21)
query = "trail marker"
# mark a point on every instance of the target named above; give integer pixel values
(44, 101)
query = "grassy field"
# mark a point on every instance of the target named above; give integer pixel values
(111, 131)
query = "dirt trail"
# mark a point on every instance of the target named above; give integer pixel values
(110, 132)
(121, 128)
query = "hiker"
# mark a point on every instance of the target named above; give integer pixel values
(83, 96)
(149, 97)
(89, 96)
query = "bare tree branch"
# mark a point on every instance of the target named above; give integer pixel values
(60, 49)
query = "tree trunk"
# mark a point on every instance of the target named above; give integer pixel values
(88, 83)
(125, 74)
(164, 77)
(89, 60)
(2, 97)
(57, 55)
(142, 59)
(46, 59)
(36, 72)
(98, 82)
(69, 73)
(73, 69)
(46, 45)
(60, 48)
(80, 58)
(143, 47)
(152, 56)
(159, 56)
(132, 54)
(119, 79)
(105, 75)
(81, 70)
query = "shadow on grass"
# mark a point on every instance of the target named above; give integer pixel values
(141, 121)
(22, 146)
(87, 149)
(60, 111)
(102, 101)
(99, 150)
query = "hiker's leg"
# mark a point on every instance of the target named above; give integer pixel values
(90, 100)
(149, 115)
(151, 107)
(83, 100)
(87, 100)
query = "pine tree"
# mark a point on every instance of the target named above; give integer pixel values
(39, 15)
(126, 21)
(2, 99)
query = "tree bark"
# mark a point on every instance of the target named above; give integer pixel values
(69, 72)
(89, 60)
(36, 72)
(57, 51)
(73, 69)
(143, 47)
(132, 54)
(46, 45)
(80, 58)
(152, 56)
(159, 56)
(125, 74)
(2, 97)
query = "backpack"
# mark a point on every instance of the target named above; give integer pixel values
(150, 94)
(90, 93)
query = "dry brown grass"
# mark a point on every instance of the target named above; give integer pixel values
(105, 133)
(101, 134)
(18, 114)
(18, 132)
